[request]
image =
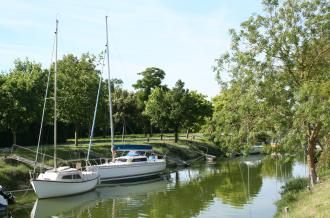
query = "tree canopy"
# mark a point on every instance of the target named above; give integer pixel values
(21, 96)
(279, 68)
(77, 88)
(177, 108)
(22, 92)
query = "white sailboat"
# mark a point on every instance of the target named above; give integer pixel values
(61, 181)
(136, 163)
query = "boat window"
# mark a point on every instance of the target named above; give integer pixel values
(74, 176)
(139, 159)
(67, 177)
(121, 160)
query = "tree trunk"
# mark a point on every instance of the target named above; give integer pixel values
(176, 135)
(76, 135)
(311, 161)
(161, 134)
(187, 135)
(14, 137)
(150, 130)
(123, 133)
(312, 138)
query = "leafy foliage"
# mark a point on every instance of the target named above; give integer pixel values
(323, 164)
(151, 78)
(279, 64)
(177, 108)
(77, 88)
(294, 185)
(21, 96)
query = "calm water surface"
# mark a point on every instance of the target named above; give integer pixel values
(244, 187)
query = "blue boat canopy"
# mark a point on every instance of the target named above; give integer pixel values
(132, 148)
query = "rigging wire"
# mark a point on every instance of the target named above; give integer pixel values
(44, 106)
(95, 111)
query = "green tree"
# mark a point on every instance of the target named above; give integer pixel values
(157, 108)
(125, 108)
(197, 112)
(77, 88)
(238, 118)
(281, 59)
(178, 99)
(169, 108)
(21, 97)
(152, 78)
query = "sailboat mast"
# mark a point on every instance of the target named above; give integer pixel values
(109, 86)
(55, 97)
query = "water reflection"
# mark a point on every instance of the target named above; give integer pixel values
(240, 181)
(227, 187)
(77, 205)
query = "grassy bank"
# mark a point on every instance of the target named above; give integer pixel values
(306, 203)
(16, 176)
(13, 176)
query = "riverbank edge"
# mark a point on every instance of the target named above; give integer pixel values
(307, 203)
(16, 176)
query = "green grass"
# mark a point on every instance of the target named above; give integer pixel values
(313, 204)
(13, 176)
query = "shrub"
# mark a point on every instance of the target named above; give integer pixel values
(286, 199)
(294, 185)
(289, 192)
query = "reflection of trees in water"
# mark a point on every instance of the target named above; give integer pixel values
(183, 200)
(189, 198)
(279, 168)
(233, 185)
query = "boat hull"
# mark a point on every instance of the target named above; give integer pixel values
(114, 172)
(50, 189)
(3, 203)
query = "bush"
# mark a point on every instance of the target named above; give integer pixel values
(294, 185)
(289, 192)
(324, 161)
(286, 199)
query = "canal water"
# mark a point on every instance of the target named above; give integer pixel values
(243, 187)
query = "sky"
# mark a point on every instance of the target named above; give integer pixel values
(182, 37)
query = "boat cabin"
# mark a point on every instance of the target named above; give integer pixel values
(135, 153)
(62, 174)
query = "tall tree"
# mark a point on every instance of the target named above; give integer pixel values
(178, 106)
(152, 78)
(197, 112)
(169, 108)
(125, 109)
(237, 119)
(77, 88)
(21, 96)
(157, 109)
(282, 58)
